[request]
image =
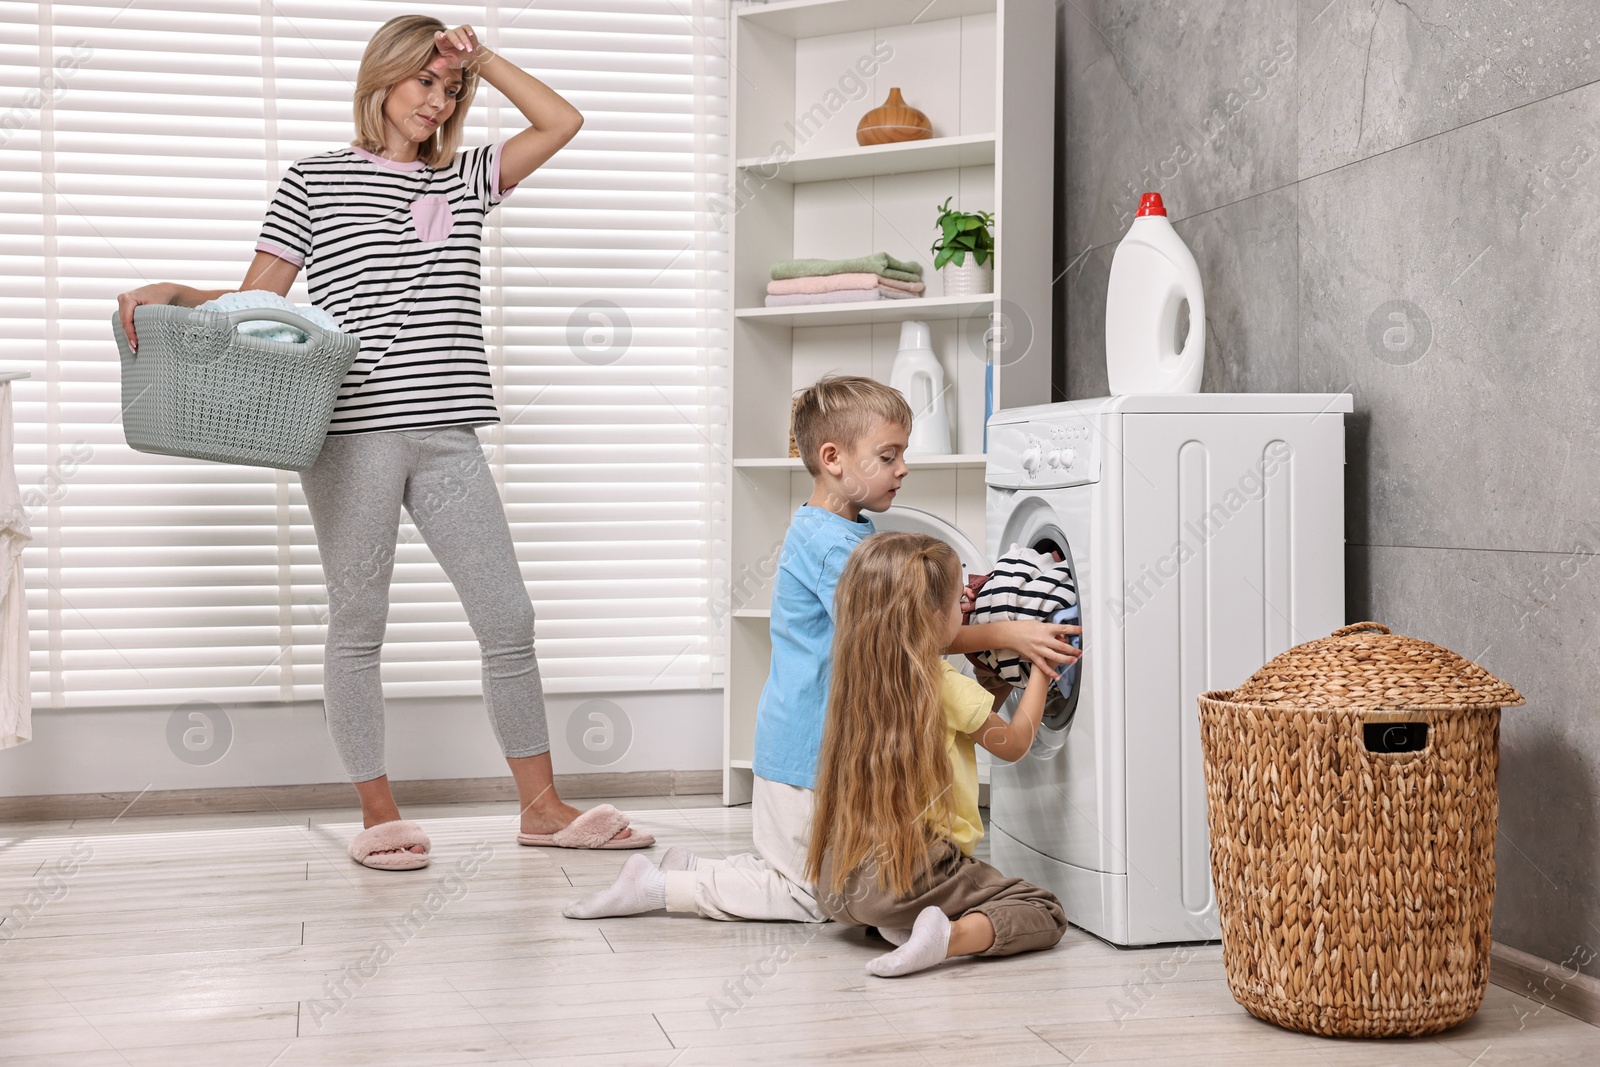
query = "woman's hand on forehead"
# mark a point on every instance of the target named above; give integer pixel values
(456, 47)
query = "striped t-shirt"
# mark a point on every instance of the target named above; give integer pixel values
(391, 251)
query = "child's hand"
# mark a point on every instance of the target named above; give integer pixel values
(969, 594)
(1045, 645)
(1037, 677)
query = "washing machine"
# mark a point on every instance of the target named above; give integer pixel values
(1206, 535)
(904, 519)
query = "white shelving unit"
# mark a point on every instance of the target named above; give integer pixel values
(805, 73)
(936, 153)
(973, 313)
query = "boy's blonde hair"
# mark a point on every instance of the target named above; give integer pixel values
(841, 408)
(400, 49)
(883, 776)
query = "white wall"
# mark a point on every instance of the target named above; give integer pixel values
(123, 749)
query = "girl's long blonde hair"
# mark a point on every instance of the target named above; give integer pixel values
(883, 772)
(401, 48)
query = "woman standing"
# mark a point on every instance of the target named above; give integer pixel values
(389, 230)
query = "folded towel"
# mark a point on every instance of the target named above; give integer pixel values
(842, 296)
(830, 283)
(877, 263)
(267, 329)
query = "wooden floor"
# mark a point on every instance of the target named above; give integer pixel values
(253, 940)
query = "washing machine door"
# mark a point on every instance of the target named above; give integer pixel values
(902, 519)
(1061, 702)
(1060, 799)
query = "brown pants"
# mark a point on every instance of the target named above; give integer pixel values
(1025, 917)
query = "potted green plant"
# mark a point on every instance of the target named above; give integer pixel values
(964, 253)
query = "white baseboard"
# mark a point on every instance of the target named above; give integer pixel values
(1556, 985)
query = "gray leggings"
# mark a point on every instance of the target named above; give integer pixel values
(355, 490)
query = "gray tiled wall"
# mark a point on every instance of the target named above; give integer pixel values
(1398, 200)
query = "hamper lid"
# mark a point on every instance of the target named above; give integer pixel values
(1363, 665)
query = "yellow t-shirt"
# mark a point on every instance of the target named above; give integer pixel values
(966, 706)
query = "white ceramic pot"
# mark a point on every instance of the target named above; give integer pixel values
(968, 279)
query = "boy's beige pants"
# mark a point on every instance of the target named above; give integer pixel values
(1025, 917)
(771, 885)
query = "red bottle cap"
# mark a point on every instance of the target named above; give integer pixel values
(1150, 204)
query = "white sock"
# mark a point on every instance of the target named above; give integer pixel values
(927, 947)
(678, 858)
(641, 887)
(895, 935)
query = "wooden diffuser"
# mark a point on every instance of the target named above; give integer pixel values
(893, 121)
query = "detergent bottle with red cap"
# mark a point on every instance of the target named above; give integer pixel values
(1155, 309)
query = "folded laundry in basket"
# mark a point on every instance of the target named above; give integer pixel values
(877, 263)
(832, 283)
(267, 329)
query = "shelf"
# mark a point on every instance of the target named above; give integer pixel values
(14, 375)
(815, 18)
(940, 153)
(984, 73)
(870, 311)
(951, 462)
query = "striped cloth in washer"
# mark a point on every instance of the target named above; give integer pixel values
(1025, 585)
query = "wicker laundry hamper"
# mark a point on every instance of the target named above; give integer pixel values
(199, 388)
(1351, 797)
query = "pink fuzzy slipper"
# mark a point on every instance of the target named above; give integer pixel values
(368, 847)
(596, 828)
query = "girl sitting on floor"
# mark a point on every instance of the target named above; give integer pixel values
(896, 813)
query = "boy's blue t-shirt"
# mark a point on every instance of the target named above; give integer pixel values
(794, 701)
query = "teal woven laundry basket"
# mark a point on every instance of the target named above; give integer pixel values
(201, 389)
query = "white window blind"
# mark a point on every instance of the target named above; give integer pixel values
(142, 143)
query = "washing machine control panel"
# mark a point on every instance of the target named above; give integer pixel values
(1043, 453)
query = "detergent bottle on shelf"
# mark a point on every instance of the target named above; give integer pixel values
(919, 376)
(1155, 309)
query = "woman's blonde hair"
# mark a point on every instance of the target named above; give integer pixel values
(400, 49)
(883, 777)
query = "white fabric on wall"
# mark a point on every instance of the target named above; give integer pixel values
(16, 704)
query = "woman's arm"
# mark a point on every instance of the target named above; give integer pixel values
(266, 272)
(1011, 740)
(1044, 644)
(552, 121)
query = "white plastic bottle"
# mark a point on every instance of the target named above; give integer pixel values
(919, 376)
(1152, 346)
